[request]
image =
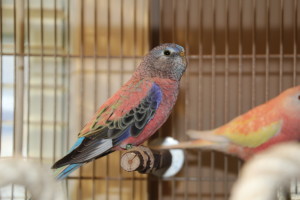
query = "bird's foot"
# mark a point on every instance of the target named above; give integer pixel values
(128, 146)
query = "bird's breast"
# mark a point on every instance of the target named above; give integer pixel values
(170, 91)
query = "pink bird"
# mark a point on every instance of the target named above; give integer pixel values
(133, 113)
(278, 120)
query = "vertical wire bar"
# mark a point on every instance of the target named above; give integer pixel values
(82, 49)
(159, 188)
(28, 77)
(212, 106)
(42, 82)
(55, 80)
(295, 40)
(161, 12)
(149, 26)
(143, 27)
(121, 82)
(173, 192)
(28, 84)
(253, 88)
(200, 89)
(240, 70)
(68, 84)
(281, 46)
(108, 86)
(142, 30)
(19, 77)
(187, 78)
(226, 81)
(174, 20)
(82, 81)
(15, 73)
(1, 73)
(95, 89)
(15, 88)
(226, 86)
(199, 164)
(122, 43)
(267, 68)
(213, 64)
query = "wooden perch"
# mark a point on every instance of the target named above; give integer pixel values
(145, 160)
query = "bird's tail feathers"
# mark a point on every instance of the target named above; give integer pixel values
(196, 144)
(206, 135)
(64, 171)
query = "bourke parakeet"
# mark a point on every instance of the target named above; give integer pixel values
(278, 120)
(133, 113)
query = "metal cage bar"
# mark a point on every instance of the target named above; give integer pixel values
(1, 75)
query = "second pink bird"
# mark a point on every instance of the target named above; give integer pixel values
(278, 120)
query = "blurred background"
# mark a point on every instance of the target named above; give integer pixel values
(61, 59)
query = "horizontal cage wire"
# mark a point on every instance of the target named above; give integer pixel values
(61, 59)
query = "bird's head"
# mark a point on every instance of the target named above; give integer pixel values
(164, 61)
(291, 101)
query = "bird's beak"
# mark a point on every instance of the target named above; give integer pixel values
(182, 54)
(184, 59)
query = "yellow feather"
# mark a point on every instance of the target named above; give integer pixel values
(255, 138)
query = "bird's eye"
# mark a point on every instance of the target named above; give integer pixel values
(167, 52)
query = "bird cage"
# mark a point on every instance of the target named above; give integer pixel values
(61, 59)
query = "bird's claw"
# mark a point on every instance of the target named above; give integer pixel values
(129, 146)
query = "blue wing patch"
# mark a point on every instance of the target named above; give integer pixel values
(77, 143)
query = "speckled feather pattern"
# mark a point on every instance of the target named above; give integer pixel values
(151, 66)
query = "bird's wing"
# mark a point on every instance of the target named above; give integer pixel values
(251, 129)
(250, 133)
(126, 115)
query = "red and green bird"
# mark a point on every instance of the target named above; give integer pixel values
(133, 113)
(276, 121)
